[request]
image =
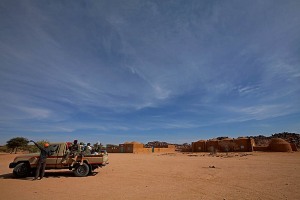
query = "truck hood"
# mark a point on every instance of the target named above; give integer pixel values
(26, 156)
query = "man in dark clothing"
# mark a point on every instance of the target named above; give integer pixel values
(41, 165)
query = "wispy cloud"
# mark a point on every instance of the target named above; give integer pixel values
(247, 89)
(260, 112)
(112, 67)
(38, 113)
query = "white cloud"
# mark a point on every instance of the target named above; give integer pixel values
(260, 112)
(38, 113)
(247, 89)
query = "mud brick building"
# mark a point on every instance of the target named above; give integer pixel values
(241, 144)
(136, 147)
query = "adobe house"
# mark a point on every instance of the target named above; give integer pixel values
(261, 148)
(136, 147)
(132, 147)
(279, 145)
(165, 149)
(212, 145)
(241, 144)
(199, 146)
(112, 148)
(244, 144)
(227, 145)
(161, 149)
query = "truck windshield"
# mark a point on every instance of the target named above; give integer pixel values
(53, 147)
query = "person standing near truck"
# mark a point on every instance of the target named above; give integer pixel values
(41, 165)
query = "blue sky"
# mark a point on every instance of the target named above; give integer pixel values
(175, 71)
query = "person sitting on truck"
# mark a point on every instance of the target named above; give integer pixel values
(88, 149)
(67, 154)
(94, 152)
(75, 152)
(41, 165)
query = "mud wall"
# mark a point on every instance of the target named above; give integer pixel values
(227, 145)
(294, 147)
(212, 145)
(113, 149)
(261, 148)
(244, 144)
(199, 146)
(279, 145)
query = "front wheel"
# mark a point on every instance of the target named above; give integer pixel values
(22, 170)
(82, 170)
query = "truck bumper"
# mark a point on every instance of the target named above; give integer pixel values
(12, 165)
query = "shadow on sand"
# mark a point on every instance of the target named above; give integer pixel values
(56, 174)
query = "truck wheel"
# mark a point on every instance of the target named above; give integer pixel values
(82, 170)
(32, 172)
(21, 170)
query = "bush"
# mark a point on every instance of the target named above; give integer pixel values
(4, 149)
(32, 149)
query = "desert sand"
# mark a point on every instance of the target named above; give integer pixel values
(166, 176)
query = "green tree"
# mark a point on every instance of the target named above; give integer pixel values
(16, 143)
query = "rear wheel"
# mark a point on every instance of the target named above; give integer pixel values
(82, 170)
(22, 170)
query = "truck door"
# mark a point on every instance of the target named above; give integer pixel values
(61, 151)
(51, 160)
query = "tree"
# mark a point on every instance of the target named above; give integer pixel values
(16, 143)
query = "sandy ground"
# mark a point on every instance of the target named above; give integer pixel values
(167, 176)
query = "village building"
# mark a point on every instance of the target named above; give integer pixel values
(110, 148)
(222, 144)
(241, 144)
(261, 148)
(279, 145)
(227, 145)
(244, 144)
(212, 145)
(136, 147)
(199, 146)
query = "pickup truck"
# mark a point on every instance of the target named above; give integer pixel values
(25, 165)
